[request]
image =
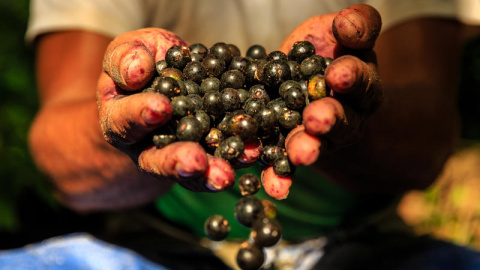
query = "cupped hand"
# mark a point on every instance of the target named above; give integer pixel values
(127, 117)
(335, 122)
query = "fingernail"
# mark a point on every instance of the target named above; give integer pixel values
(152, 117)
(357, 22)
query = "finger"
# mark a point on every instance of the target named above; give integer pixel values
(180, 161)
(274, 185)
(303, 149)
(220, 175)
(129, 119)
(321, 115)
(357, 27)
(355, 82)
(130, 58)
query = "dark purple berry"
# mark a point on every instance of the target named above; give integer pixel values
(249, 184)
(168, 87)
(217, 228)
(194, 71)
(266, 232)
(247, 210)
(230, 99)
(289, 119)
(197, 100)
(182, 106)
(173, 73)
(259, 91)
(234, 50)
(287, 85)
(222, 50)
(232, 79)
(161, 65)
(177, 57)
(253, 105)
(210, 84)
(266, 119)
(243, 94)
(198, 48)
(239, 63)
(301, 50)
(251, 70)
(215, 65)
(230, 149)
(189, 129)
(192, 87)
(283, 167)
(312, 65)
(162, 140)
(277, 55)
(257, 52)
(212, 103)
(270, 153)
(250, 256)
(204, 120)
(276, 72)
(295, 98)
(243, 126)
(294, 69)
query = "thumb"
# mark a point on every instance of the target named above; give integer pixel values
(357, 27)
(130, 58)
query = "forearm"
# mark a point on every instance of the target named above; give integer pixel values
(88, 173)
(65, 139)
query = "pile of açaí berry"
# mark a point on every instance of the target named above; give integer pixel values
(224, 101)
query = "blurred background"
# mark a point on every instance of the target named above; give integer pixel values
(450, 209)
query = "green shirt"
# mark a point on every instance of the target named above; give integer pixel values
(313, 207)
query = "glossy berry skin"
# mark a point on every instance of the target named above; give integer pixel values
(189, 129)
(214, 65)
(283, 167)
(301, 50)
(204, 120)
(277, 55)
(230, 149)
(232, 79)
(294, 69)
(239, 63)
(247, 210)
(249, 184)
(270, 153)
(230, 99)
(253, 105)
(250, 256)
(289, 119)
(277, 106)
(251, 71)
(234, 50)
(217, 228)
(266, 119)
(194, 71)
(222, 50)
(243, 94)
(160, 65)
(266, 232)
(182, 106)
(198, 48)
(197, 100)
(177, 57)
(287, 85)
(276, 72)
(212, 103)
(162, 140)
(168, 87)
(210, 84)
(243, 126)
(256, 52)
(328, 61)
(192, 87)
(294, 98)
(312, 65)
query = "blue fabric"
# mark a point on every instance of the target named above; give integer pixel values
(74, 252)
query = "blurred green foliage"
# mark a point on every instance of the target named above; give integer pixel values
(17, 108)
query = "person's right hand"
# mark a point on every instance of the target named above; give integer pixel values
(127, 119)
